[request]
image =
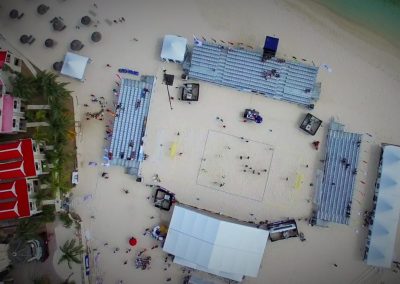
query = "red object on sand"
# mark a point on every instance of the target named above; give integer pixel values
(316, 144)
(133, 241)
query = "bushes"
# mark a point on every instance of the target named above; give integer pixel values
(67, 221)
(60, 121)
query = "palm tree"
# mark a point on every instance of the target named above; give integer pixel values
(48, 86)
(28, 228)
(71, 253)
(44, 279)
(23, 87)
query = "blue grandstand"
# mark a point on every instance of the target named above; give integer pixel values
(130, 123)
(335, 190)
(245, 70)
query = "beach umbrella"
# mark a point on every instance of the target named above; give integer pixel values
(133, 241)
(58, 25)
(24, 39)
(85, 20)
(13, 14)
(96, 36)
(57, 66)
(42, 9)
(76, 45)
(49, 42)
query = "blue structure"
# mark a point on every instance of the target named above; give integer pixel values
(245, 70)
(130, 123)
(270, 47)
(335, 191)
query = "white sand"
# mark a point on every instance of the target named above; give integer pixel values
(362, 92)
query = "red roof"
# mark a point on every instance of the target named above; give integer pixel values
(17, 160)
(3, 56)
(14, 200)
(7, 114)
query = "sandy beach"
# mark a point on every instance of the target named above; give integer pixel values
(361, 92)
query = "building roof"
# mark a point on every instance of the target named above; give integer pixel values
(17, 160)
(14, 200)
(387, 210)
(174, 48)
(219, 247)
(7, 114)
(74, 65)
(3, 56)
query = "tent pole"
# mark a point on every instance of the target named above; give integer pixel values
(169, 98)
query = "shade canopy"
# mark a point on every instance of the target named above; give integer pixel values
(49, 42)
(85, 20)
(58, 25)
(74, 65)
(42, 9)
(76, 45)
(13, 14)
(57, 66)
(24, 39)
(215, 246)
(174, 48)
(382, 242)
(96, 36)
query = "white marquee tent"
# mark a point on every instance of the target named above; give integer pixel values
(74, 65)
(222, 248)
(174, 48)
(387, 212)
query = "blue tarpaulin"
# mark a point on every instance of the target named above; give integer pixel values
(271, 44)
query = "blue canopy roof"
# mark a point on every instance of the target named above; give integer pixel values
(271, 43)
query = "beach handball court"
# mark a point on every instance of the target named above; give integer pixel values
(235, 165)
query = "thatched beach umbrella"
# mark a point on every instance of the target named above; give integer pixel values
(96, 36)
(49, 42)
(86, 20)
(58, 25)
(24, 39)
(42, 9)
(76, 45)
(57, 66)
(13, 14)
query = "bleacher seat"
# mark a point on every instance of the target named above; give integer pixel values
(335, 192)
(129, 125)
(244, 70)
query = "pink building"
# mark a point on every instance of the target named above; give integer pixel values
(12, 116)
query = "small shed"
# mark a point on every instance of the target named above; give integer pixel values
(74, 65)
(173, 49)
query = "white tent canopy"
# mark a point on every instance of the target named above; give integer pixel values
(387, 212)
(174, 48)
(226, 249)
(74, 65)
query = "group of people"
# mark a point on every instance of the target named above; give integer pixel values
(99, 114)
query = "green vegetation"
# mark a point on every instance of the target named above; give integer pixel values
(44, 279)
(71, 253)
(67, 221)
(47, 89)
(44, 89)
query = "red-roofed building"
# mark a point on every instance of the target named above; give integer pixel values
(9, 59)
(19, 160)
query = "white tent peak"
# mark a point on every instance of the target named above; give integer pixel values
(174, 48)
(74, 65)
